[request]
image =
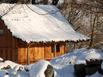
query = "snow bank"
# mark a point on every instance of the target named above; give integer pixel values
(63, 65)
(7, 63)
(95, 75)
(1, 59)
(93, 54)
(35, 70)
(38, 69)
(77, 56)
(67, 71)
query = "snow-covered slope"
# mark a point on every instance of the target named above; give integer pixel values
(77, 56)
(63, 64)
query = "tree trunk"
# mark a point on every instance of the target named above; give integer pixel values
(92, 30)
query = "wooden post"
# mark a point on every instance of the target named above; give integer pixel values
(55, 50)
(28, 51)
(28, 61)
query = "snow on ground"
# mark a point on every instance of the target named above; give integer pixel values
(40, 68)
(67, 71)
(63, 65)
(7, 63)
(102, 65)
(77, 56)
(1, 59)
(95, 75)
(35, 70)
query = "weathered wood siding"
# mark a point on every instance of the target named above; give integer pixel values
(8, 49)
(48, 52)
(37, 53)
(5, 37)
(22, 55)
(9, 54)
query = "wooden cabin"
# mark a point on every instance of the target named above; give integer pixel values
(15, 49)
(29, 33)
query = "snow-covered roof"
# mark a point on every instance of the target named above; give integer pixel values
(38, 23)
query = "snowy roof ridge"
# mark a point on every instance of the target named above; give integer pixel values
(45, 22)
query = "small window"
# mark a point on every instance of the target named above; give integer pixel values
(1, 31)
(56, 47)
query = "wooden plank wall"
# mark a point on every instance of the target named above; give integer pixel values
(35, 54)
(22, 55)
(48, 53)
(38, 53)
(8, 54)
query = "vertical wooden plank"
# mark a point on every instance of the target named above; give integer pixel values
(39, 53)
(62, 49)
(66, 48)
(47, 52)
(3, 55)
(6, 53)
(1, 52)
(34, 54)
(42, 50)
(13, 55)
(36, 51)
(24, 55)
(31, 54)
(19, 55)
(13, 50)
(9, 53)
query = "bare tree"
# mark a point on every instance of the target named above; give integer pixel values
(86, 17)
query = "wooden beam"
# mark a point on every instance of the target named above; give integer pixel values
(28, 60)
(55, 50)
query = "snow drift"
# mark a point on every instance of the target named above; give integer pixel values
(63, 65)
